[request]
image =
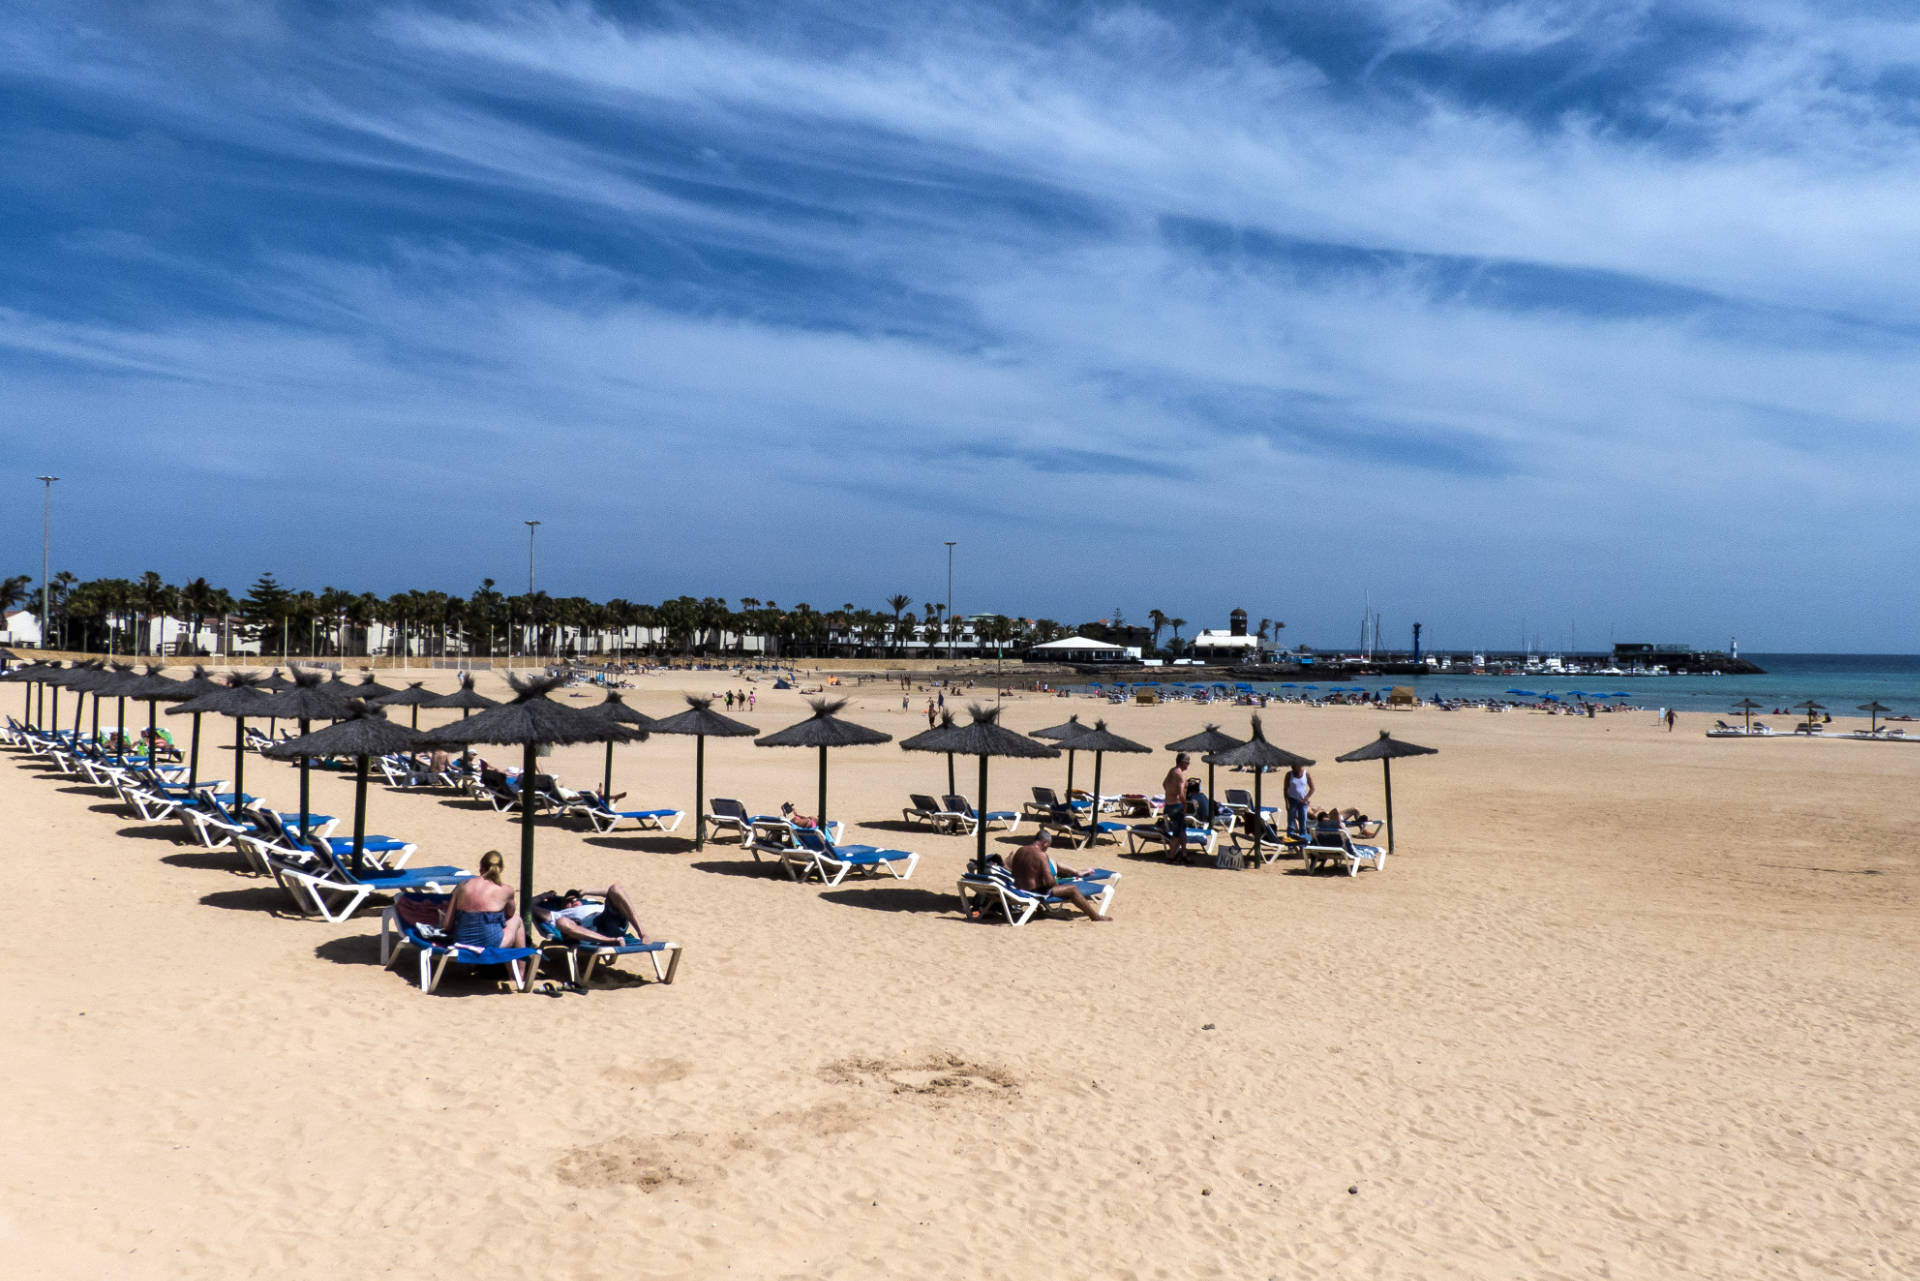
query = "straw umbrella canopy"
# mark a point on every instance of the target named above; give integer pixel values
(1262, 756)
(1386, 749)
(615, 709)
(1100, 740)
(309, 700)
(370, 689)
(530, 720)
(1875, 708)
(701, 721)
(1064, 733)
(242, 696)
(416, 695)
(1746, 707)
(1810, 707)
(824, 729)
(984, 737)
(465, 699)
(201, 682)
(1209, 739)
(363, 733)
(83, 679)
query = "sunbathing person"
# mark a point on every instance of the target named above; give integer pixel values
(796, 818)
(580, 921)
(1035, 871)
(1360, 824)
(480, 911)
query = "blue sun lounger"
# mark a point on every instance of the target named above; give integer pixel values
(996, 894)
(333, 893)
(437, 951)
(813, 854)
(584, 954)
(605, 818)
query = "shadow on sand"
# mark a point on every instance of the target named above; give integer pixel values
(894, 898)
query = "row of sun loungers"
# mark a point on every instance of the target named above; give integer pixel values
(318, 870)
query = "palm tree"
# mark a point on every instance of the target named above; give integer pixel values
(1158, 620)
(1176, 624)
(13, 592)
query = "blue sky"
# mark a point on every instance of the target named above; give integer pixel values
(1596, 315)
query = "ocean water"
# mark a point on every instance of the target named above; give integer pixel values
(1840, 681)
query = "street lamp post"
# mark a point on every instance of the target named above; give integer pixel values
(950, 600)
(532, 624)
(46, 559)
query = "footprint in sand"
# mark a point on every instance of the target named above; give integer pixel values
(938, 1075)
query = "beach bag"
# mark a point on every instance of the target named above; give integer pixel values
(1230, 860)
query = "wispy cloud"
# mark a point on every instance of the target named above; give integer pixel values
(1592, 306)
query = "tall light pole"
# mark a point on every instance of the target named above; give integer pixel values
(532, 631)
(46, 558)
(950, 600)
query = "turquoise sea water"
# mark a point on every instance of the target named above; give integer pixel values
(1840, 681)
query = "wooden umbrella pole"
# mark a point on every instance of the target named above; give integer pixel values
(1093, 814)
(305, 763)
(699, 791)
(980, 828)
(1386, 767)
(606, 784)
(193, 762)
(527, 766)
(823, 787)
(359, 814)
(239, 761)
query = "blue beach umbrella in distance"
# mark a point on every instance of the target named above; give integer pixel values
(1288, 685)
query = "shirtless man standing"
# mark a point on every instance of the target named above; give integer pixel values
(1174, 801)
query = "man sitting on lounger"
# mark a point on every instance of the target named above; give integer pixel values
(582, 922)
(1035, 871)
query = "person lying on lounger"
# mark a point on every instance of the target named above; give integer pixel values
(1035, 871)
(581, 921)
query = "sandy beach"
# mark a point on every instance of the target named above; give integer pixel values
(1625, 1003)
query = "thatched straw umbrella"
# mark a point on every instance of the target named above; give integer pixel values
(111, 675)
(615, 709)
(985, 737)
(363, 733)
(701, 721)
(824, 729)
(1064, 733)
(1100, 740)
(83, 679)
(530, 720)
(120, 677)
(1810, 707)
(416, 695)
(1386, 749)
(241, 697)
(1207, 740)
(1746, 707)
(1875, 708)
(1262, 756)
(308, 701)
(370, 689)
(201, 682)
(464, 698)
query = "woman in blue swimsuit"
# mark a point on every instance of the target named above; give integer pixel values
(480, 911)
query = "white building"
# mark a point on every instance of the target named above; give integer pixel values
(1080, 649)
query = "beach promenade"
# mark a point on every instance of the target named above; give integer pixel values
(1625, 1003)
